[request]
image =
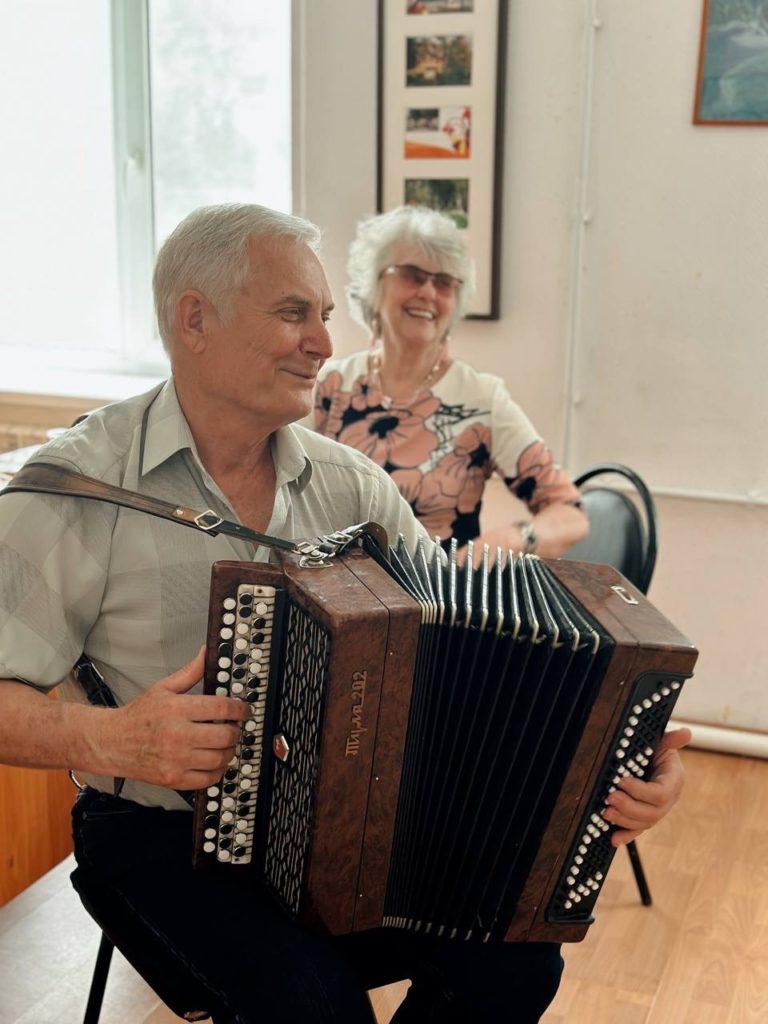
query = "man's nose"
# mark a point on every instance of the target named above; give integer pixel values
(318, 341)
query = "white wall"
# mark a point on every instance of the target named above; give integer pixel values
(633, 299)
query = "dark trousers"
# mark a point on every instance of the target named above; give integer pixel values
(255, 964)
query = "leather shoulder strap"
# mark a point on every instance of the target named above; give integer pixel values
(53, 479)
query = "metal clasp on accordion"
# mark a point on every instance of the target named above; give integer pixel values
(318, 553)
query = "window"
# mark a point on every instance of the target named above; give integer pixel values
(119, 119)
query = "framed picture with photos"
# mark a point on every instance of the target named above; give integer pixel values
(440, 121)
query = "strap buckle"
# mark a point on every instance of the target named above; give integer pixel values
(208, 520)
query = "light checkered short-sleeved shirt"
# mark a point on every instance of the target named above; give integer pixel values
(132, 590)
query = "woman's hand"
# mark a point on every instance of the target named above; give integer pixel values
(557, 527)
(637, 805)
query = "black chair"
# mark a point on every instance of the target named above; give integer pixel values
(623, 534)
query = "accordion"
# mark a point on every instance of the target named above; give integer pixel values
(431, 745)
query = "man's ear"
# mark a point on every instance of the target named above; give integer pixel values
(192, 314)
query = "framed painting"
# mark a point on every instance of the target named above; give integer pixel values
(441, 73)
(732, 78)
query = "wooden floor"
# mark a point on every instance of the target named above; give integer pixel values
(698, 956)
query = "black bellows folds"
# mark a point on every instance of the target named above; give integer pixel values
(507, 668)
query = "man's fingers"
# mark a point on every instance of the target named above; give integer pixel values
(214, 736)
(209, 708)
(651, 792)
(205, 707)
(675, 739)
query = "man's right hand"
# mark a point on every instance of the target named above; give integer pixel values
(169, 737)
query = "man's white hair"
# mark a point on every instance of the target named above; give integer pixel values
(208, 252)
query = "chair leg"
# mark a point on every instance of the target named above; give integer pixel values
(637, 868)
(99, 981)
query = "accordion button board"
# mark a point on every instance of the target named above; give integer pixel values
(242, 671)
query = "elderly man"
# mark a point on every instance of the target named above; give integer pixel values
(242, 305)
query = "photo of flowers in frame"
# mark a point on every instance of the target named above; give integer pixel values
(441, 73)
(732, 78)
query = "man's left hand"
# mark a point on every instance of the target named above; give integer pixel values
(637, 805)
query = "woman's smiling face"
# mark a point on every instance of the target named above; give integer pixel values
(408, 311)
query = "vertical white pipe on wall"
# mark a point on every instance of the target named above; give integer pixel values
(592, 25)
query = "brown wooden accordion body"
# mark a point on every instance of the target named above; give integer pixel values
(435, 762)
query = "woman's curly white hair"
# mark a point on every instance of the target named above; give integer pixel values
(378, 236)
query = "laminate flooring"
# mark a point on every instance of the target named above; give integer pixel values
(699, 955)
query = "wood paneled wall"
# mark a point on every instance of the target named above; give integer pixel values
(35, 831)
(25, 419)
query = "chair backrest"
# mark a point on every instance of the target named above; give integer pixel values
(620, 534)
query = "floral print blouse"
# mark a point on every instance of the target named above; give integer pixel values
(442, 445)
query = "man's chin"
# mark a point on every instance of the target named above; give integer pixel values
(301, 406)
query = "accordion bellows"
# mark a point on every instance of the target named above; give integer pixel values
(431, 746)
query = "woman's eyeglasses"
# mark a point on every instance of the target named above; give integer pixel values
(446, 284)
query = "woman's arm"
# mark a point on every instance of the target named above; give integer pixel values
(556, 528)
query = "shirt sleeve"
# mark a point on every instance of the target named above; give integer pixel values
(54, 552)
(392, 511)
(523, 459)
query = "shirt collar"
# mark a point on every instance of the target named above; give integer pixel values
(167, 432)
(292, 463)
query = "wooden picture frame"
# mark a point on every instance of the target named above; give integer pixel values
(441, 83)
(732, 75)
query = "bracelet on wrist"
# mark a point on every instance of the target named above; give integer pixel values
(528, 537)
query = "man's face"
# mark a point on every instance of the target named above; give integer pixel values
(267, 355)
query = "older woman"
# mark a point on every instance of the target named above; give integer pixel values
(439, 427)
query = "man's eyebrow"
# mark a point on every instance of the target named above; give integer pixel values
(300, 300)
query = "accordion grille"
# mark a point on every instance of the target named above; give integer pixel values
(307, 646)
